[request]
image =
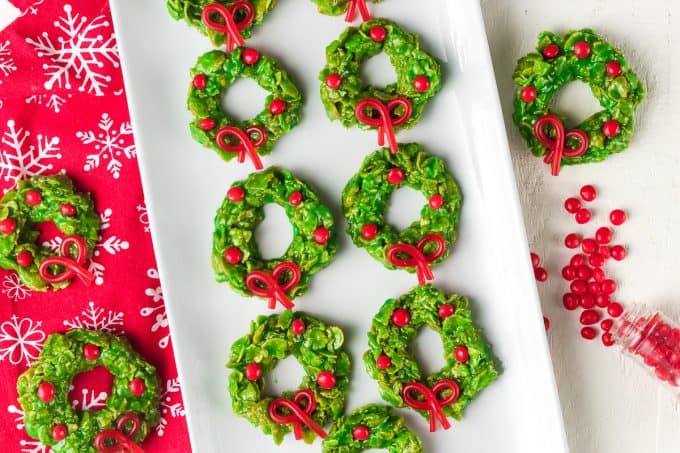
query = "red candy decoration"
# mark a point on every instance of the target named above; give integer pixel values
(602, 300)
(236, 194)
(299, 413)
(570, 301)
(540, 274)
(416, 256)
(360, 432)
(321, 235)
(295, 199)
(611, 128)
(596, 260)
(253, 372)
(353, 6)
(582, 216)
(583, 272)
(551, 51)
(67, 209)
(383, 362)
(59, 433)
(277, 106)
(369, 231)
(572, 240)
(250, 56)
(265, 284)
(207, 124)
(24, 258)
(421, 83)
(613, 69)
(617, 216)
(578, 287)
(33, 198)
(568, 273)
(200, 81)
(136, 386)
(436, 201)
(535, 259)
(233, 255)
(430, 400)
(298, 327)
(326, 380)
(528, 94)
(589, 317)
(608, 286)
(588, 333)
(228, 26)
(618, 252)
(557, 148)
(395, 176)
(461, 353)
(577, 260)
(446, 311)
(401, 317)
(607, 324)
(587, 301)
(245, 146)
(385, 122)
(589, 246)
(91, 351)
(7, 226)
(603, 235)
(607, 339)
(333, 81)
(582, 49)
(120, 439)
(45, 392)
(588, 192)
(598, 275)
(74, 266)
(572, 205)
(377, 33)
(615, 309)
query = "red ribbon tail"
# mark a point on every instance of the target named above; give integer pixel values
(134, 448)
(297, 430)
(257, 162)
(424, 273)
(363, 10)
(349, 17)
(84, 275)
(316, 428)
(285, 301)
(443, 420)
(381, 135)
(271, 304)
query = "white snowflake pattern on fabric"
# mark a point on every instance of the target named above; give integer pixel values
(53, 102)
(143, 216)
(13, 288)
(32, 9)
(81, 49)
(18, 414)
(22, 158)
(170, 407)
(110, 142)
(96, 318)
(20, 340)
(7, 65)
(90, 400)
(33, 446)
(157, 310)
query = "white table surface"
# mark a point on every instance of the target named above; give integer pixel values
(609, 405)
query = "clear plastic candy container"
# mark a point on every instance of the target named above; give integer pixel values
(653, 340)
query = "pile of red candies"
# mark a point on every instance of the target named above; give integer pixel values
(590, 290)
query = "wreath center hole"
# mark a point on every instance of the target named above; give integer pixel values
(404, 207)
(575, 101)
(285, 377)
(378, 71)
(428, 349)
(91, 389)
(244, 99)
(275, 233)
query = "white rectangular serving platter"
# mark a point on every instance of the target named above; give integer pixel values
(184, 185)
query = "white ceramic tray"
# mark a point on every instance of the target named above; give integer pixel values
(184, 185)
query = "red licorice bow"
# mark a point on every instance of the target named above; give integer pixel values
(119, 440)
(353, 6)
(557, 147)
(431, 401)
(385, 122)
(229, 26)
(264, 284)
(75, 266)
(299, 416)
(245, 146)
(417, 257)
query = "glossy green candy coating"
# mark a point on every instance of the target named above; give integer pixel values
(61, 359)
(235, 224)
(423, 304)
(221, 70)
(55, 191)
(345, 56)
(619, 95)
(272, 338)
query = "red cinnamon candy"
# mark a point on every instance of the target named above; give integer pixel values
(385, 122)
(228, 26)
(120, 439)
(357, 5)
(416, 256)
(422, 398)
(557, 146)
(300, 409)
(246, 145)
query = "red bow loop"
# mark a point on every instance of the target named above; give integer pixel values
(74, 266)
(353, 6)
(299, 415)
(245, 145)
(267, 285)
(431, 401)
(385, 122)
(557, 148)
(119, 440)
(416, 257)
(229, 26)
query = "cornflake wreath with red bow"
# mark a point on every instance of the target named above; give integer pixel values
(214, 72)
(585, 56)
(366, 197)
(131, 411)
(320, 398)
(44, 199)
(399, 105)
(469, 365)
(236, 258)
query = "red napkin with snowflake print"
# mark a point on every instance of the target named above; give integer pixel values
(63, 109)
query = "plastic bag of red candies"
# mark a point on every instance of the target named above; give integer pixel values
(653, 340)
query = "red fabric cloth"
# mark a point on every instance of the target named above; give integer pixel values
(63, 108)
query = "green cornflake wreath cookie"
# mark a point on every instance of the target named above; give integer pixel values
(366, 197)
(579, 55)
(389, 360)
(235, 256)
(320, 398)
(214, 72)
(131, 410)
(399, 105)
(43, 199)
(372, 426)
